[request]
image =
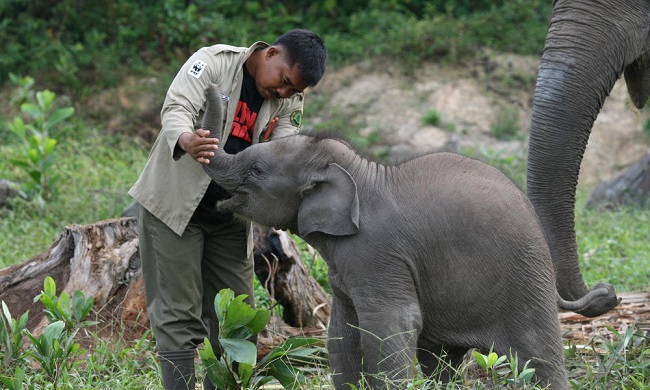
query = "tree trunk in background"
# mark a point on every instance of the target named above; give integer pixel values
(280, 269)
(102, 261)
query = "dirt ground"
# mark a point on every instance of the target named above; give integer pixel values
(470, 99)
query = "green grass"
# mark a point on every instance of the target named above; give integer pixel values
(96, 172)
(613, 246)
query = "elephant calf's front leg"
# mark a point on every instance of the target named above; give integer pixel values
(389, 334)
(343, 345)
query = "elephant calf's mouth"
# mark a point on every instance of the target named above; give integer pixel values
(233, 204)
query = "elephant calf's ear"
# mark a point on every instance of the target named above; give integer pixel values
(332, 206)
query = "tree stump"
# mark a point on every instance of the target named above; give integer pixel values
(632, 188)
(279, 267)
(102, 260)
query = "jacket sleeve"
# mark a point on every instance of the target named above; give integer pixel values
(186, 97)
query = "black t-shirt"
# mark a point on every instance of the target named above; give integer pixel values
(240, 138)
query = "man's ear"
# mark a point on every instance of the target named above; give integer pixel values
(271, 52)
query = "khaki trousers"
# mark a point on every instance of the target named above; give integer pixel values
(182, 275)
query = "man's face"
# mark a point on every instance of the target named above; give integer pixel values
(275, 78)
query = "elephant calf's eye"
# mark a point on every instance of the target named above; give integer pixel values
(257, 171)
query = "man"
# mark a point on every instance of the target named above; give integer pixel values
(189, 250)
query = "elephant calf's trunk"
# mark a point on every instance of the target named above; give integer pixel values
(213, 116)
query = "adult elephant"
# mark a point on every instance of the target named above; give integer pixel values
(589, 44)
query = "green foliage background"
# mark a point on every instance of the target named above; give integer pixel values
(83, 45)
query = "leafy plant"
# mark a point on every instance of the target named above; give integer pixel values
(23, 91)
(36, 154)
(431, 118)
(54, 350)
(11, 335)
(235, 365)
(503, 370)
(61, 308)
(14, 382)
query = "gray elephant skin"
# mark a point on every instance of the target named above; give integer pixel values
(588, 46)
(427, 259)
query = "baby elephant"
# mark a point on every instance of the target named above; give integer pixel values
(427, 259)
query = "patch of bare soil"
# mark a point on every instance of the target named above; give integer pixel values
(471, 100)
(634, 310)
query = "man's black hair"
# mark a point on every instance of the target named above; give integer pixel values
(306, 50)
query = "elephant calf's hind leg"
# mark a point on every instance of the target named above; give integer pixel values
(439, 362)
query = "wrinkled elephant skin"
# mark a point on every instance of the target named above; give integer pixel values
(427, 259)
(588, 46)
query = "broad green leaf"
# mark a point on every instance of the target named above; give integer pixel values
(481, 359)
(216, 370)
(32, 110)
(239, 350)
(245, 372)
(287, 345)
(81, 305)
(64, 308)
(50, 143)
(238, 314)
(18, 127)
(527, 374)
(289, 377)
(45, 99)
(49, 286)
(34, 156)
(492, 359)
(221, 302)
(19, 163)
(207, 352)
(58, 116)
(259, 322)
(53, 332)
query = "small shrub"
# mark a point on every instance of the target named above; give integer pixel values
(431, 118)
(506, 126)
(35, 153)
(235, 365)
(61, 308)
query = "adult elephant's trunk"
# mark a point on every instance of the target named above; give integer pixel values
(221, 164)
(584, 54)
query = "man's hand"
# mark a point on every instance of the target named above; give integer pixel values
(198, 145)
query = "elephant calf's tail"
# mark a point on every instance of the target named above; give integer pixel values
(599, 300)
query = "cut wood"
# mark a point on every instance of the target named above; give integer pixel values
(102, 261)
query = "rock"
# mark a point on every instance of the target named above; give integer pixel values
(632, 188)
(8, 190)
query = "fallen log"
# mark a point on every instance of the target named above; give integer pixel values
(102, 261)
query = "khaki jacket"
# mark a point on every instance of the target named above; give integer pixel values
(172, 184)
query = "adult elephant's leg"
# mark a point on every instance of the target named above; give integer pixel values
(343, 344)
(587, 47)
